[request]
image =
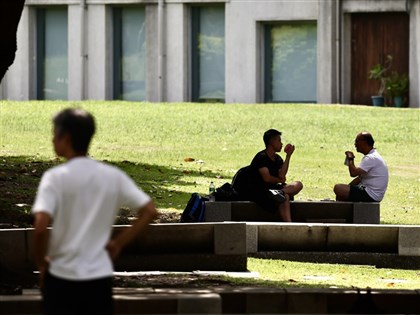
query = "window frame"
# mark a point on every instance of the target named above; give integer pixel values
(195, 19)
(117, 50)
(268, 60)
(40, 49)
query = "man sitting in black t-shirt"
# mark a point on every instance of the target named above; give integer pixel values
(270, 173)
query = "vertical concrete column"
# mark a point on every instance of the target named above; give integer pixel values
(241, 47)
(75, 53)
(230, 239)
(152, 94)
(414, 72)
(328, 42)
(99, 32)
(3, 86)
(20, 78)
(176, 87)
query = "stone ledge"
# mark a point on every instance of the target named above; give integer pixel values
(409, 241)
(240, 300)
(327, 237)
(302, 211)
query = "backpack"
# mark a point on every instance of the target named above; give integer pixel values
(248, 184)
(226, 193)
(245, 182)
(195, 209)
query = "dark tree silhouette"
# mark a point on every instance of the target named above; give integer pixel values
(10, 12)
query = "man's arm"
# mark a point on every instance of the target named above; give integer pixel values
(289, 149)
(355, 181)
(284, 169)
(41, 239)
(145, 215)
(353, 170)
(267, 177)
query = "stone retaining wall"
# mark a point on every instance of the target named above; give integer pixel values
(241, 301)
(225, 246)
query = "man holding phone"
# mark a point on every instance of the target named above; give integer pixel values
(371, 176)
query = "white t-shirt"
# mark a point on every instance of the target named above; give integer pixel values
(375, 180)
(83, 197)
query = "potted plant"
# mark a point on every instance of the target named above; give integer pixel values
(397, 87)
(378, 73)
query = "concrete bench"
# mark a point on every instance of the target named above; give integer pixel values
(302, 211)
(224, 246)
(127, 301)
(165, 247)
(240, 300)
(385, 246)
(187, 247)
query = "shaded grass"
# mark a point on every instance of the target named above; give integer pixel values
(150, 142)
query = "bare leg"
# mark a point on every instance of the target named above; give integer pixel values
(293, 188)
(342, 192)
(290, 190)
(284, 210)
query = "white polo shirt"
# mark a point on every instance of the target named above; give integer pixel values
(83, 197)
(375, 180)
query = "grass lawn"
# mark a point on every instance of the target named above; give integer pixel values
(287, 274)
(291, 274)
(151, 142)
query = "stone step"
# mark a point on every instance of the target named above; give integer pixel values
(241, 300)
(301, 211)
(224, 245)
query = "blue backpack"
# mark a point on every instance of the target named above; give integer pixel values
(195, 209)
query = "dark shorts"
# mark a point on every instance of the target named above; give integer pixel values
(77, 297)
(262, 198)
(359, 194)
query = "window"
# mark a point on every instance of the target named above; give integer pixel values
(52, 79)
(129, 54)
(208, 53)
(291, 62)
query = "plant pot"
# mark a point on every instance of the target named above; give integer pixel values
(378, 100)
(398, 101)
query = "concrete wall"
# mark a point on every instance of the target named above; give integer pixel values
(168, 65)
(244, 64)
(415, 54)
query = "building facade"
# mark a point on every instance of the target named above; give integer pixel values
(232, 51)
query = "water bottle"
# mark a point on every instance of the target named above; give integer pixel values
(212, 189)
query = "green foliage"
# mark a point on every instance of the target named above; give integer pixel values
(150, 142)
(396, 84)
(378, 73)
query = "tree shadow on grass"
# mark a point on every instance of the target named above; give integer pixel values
(169, 187)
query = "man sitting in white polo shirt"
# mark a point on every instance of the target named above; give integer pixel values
(371, 177)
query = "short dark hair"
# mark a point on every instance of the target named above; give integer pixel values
(269, 134)
(368, 138)
(79, 124)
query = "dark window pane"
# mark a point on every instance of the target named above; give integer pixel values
(54, 65)
(210, 52)
(294, 62)
(130, 54)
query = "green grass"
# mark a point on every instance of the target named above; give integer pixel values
(281, 273)
(150, 142)
(289, 274)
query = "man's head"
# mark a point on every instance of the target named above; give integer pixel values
(364, 142)
(73, 130)
(272, 138)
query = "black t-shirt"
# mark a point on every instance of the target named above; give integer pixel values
(262, 160)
